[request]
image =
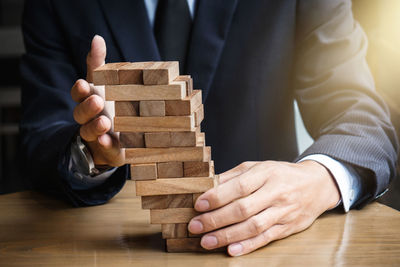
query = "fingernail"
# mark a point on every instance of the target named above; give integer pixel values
(195, 226)
(202, 205)
(209, 241)
(235, 249)
(96, 36)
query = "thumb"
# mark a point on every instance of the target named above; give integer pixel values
(96, 56)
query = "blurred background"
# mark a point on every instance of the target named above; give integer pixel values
(379, 18)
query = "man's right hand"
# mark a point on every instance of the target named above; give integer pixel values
(95, 127)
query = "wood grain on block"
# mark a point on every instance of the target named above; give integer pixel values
(149, 155)
(199, 115)
(186, 106)
(174, 230)
(175, 215)
(132, 73)
(182, 139)
(167, 201)
(152, 108)
(161, 73)
(127, 108)
(173, 169)
(161, 139)
(107, 74)
(136, 92)
(173, 186)
(154, 124)
(131, 140)
(189, 83)
(142, 172)
(197, 169)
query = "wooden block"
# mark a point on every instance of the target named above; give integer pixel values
(173, 186)
(107, 74)
(167, 201)
(127, 108)
(131, 140)
(132, 73)
(196, 169)
(161, 139)
(193, 235)
(188, 245)
(136, 92)
(186, 106)
(174, 230)
(150, 155)
(199, 115)
(153, 108)
(175, 215)
(172, 169)
(179, 139)
(154, 124)
(161, 73)
(201, 140)
(142, 172)
(189, 83)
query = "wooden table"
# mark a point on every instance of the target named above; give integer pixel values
(39, 231)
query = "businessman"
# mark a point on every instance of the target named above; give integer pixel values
(251, 59)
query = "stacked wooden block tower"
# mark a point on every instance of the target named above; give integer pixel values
(158, 115)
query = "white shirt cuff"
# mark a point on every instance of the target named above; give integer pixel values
(347, 179)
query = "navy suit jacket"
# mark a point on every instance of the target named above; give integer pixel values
(251, 59)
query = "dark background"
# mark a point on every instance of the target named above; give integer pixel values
(380, 20)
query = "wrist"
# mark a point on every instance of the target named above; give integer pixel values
(328, 193)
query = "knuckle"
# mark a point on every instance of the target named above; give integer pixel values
(84, 133)
(243, 187)
(213, 197)
(267, 236)
(95, 103)
(210, 221)
(244, 209)
(226, 237)
(101, 124)
(250, 245)
(257, 226)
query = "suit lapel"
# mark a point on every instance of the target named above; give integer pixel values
(134, 36)
(210, 28)
(131, 29)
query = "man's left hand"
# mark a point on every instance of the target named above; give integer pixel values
(256, 203)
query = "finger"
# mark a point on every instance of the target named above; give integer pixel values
(106, 151)
(252, 227)
(106, 141)
(237, 211)
(241, 186)
(88, 109)
(80, 90)
(96, 57)
(278, 231)
(93, 129)
(238, 170)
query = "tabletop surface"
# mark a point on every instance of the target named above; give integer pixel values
(36, 230)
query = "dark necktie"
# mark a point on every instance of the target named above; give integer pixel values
(172, 30)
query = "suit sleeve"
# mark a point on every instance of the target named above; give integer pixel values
(47, 125)
(336, 95)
